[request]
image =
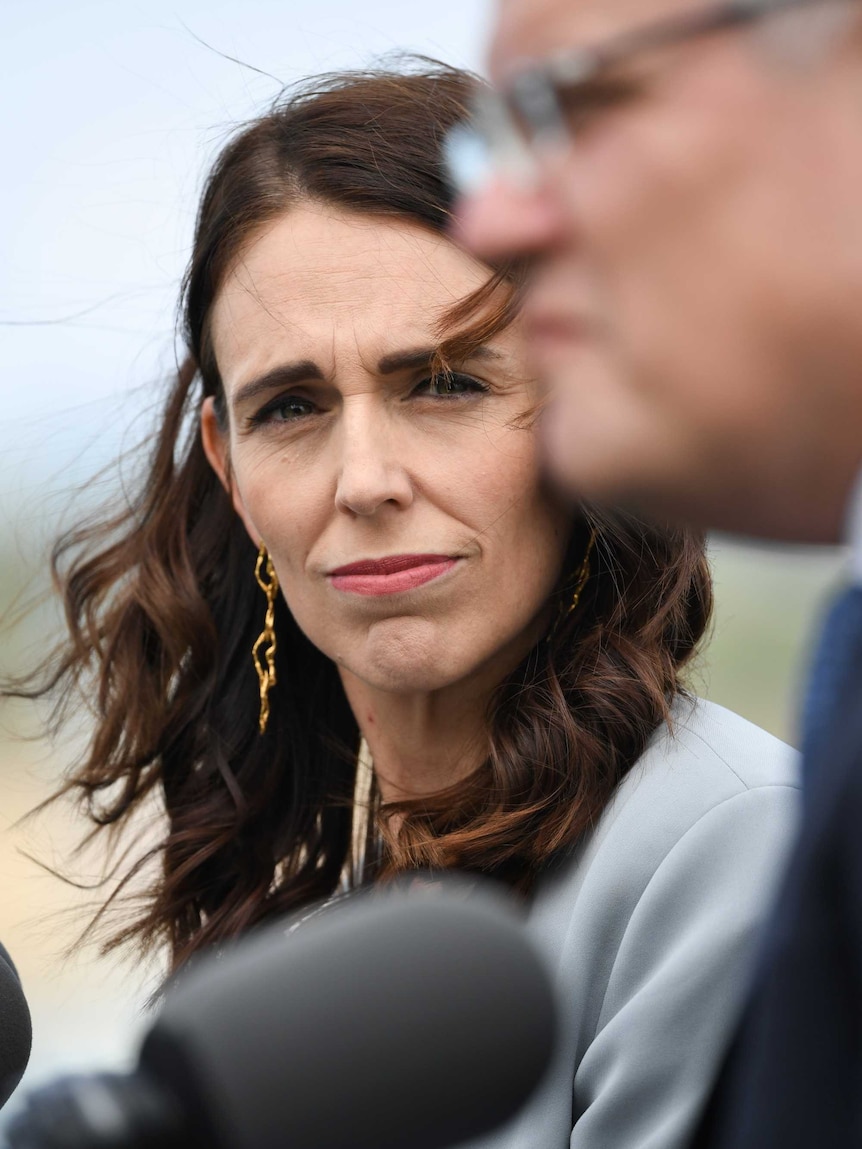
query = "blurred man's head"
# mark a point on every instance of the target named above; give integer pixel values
(693, 213)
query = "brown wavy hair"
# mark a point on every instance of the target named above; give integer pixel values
(162, 609)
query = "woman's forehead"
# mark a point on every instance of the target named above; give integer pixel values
(323, 281)
(321, 255)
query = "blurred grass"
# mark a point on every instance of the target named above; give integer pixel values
(87, 1010)
(768, 604)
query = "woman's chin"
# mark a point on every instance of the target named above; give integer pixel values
(423, 655)
(408, 659)
(399, 675)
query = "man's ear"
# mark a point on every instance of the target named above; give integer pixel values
(215, 445)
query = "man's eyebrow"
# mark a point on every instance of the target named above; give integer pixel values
(285, 375)
(424, 357)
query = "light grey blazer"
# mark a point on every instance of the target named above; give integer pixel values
(650, 929)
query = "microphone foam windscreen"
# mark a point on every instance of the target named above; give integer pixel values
(395, 1022)
(16, 1033)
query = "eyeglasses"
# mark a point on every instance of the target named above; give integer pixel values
(541, 106)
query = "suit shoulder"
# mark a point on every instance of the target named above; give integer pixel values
(712, 800)
(708, 758)
(713, 739)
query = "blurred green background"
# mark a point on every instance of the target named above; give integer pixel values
(769, 600)
(87, 1009)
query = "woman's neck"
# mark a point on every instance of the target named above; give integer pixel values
(420, 743)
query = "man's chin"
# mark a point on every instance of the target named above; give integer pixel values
(701, 506)
(582, 454)
(585, 476)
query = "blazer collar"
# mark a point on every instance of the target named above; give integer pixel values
(853, 532)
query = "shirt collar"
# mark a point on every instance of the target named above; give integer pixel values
(853, 532)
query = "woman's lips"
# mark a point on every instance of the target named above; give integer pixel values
(391, 575)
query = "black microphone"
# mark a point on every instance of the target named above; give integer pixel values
(393, 1023)
(16, 1035)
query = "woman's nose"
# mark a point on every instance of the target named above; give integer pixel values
(373, 470)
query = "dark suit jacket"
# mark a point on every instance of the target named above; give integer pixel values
(793, 1079)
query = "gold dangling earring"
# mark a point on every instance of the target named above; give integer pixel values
(580, 580)
(264, 661)
(583, 574)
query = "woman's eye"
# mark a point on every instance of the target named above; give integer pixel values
(448, 385)
(286, 409)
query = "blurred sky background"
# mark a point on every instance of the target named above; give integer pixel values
(112, 113)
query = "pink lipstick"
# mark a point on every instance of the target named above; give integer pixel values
(391, 575)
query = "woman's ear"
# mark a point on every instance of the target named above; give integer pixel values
(215, 445)
(215, 442)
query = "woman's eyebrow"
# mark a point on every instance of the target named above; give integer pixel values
(285, 375)
(424, 356)
(289, 374)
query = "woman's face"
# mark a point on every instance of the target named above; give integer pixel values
(413, 540)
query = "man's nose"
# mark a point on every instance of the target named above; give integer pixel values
(502, 219)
